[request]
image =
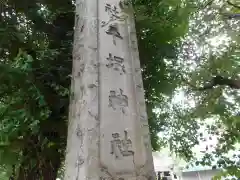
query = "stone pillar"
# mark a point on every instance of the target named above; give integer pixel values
(108, 135)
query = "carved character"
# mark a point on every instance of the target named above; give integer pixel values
(113, 13)
(121, 147)
(106, 175)
(120, 100)
(126, 145)
(113, 30)
(112, 10)
(116, 63)
(115, 144)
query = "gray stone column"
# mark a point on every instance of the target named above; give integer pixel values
(108, 135)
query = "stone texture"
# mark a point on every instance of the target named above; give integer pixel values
(108, 135)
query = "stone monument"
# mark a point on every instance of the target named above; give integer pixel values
(108, 135)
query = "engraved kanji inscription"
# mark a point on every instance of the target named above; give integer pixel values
(113, 13)
(113, 30)
(118, 100)
(116, 63)
(105, 174)
(121, 147)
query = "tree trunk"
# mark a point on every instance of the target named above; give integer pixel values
(52, 162)
(47, 161)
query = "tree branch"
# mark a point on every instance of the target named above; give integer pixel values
(216, 81)
(222, 81)
(232, 4)
(208, 4)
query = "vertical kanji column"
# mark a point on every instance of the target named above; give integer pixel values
(108, 135)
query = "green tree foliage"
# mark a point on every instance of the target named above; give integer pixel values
(159, 25)
(35, 67)
(208, 66)
(176, 54)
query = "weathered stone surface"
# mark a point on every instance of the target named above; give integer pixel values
(108, 135)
